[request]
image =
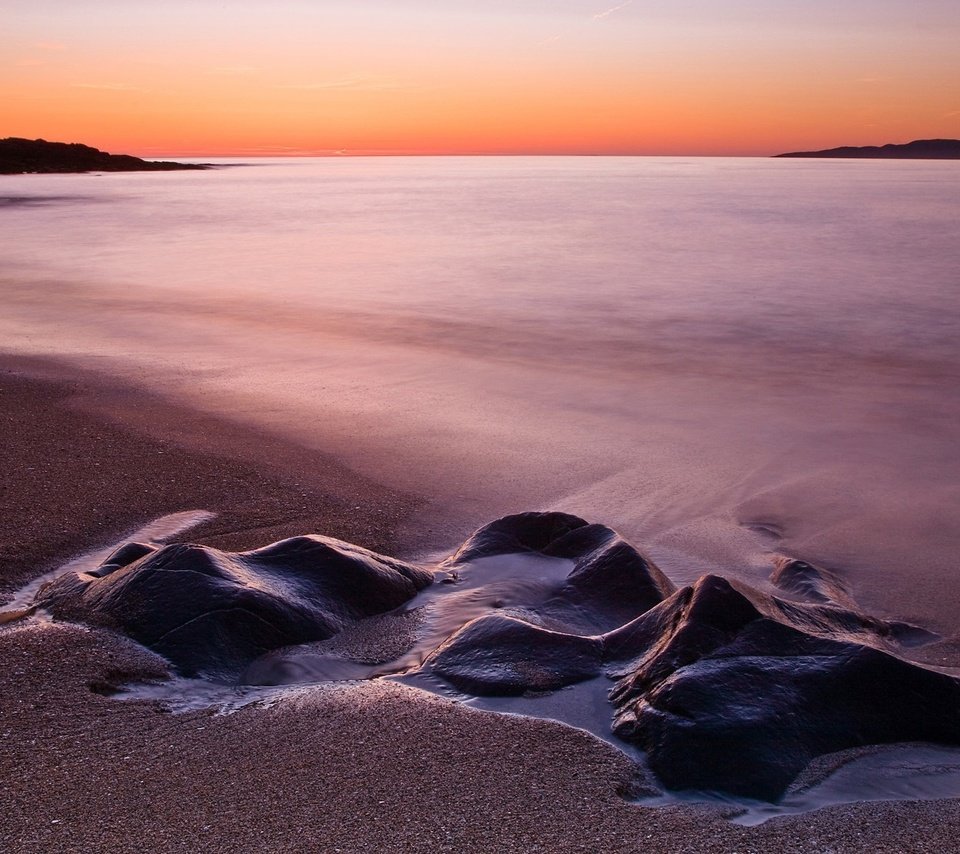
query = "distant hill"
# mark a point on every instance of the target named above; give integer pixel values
(919, 149)
(37, 155)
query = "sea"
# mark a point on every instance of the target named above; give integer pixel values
(725, 359)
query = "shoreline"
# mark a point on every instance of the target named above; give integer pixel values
(362, 766)
(89, 460)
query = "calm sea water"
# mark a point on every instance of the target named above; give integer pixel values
(720, 357)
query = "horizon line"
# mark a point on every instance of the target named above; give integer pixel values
(354, 154)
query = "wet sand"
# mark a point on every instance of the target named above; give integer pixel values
(86, 461)
(373, 766)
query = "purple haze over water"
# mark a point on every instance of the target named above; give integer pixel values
(719, 357)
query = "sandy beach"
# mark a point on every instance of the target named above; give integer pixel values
(358, 767)
(479, 427)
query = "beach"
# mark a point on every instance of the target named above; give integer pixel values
(355, 767)
(479, 427)
(723, 359)
(394, 352)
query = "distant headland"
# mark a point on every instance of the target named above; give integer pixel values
(919, 149)
(37, 155)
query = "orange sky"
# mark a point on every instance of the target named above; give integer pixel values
(492, 76)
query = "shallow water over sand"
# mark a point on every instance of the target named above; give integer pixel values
(717, 357)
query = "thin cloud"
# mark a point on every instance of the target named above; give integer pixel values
(608, 12)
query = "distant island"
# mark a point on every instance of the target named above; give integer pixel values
(37, 155)
(919, 149)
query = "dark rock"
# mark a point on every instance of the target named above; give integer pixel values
(742, 691)
(123, 556)
(211, 612)
(822, 585)
(608, 586)
(541, 533)
(805, 579)
(909, 635)
(610, 582)
(504, 656)
(37, 155)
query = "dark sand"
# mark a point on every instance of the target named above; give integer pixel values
(363, 767)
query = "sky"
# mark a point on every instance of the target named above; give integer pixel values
(690, 77)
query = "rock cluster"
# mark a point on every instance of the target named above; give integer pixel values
(727, 688)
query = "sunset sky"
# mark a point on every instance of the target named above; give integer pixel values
(479, 76)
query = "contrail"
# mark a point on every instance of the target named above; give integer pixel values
(611, 10)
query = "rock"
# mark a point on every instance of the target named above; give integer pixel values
(805, 579)
(542, 533)
(123, 556)
(504, 656)
(211, 612)
(610, 582)
(610, 585)
(736, 692)
(553, 643)
(727, 689)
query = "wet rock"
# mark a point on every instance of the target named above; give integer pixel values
(610, 582)
(504, 656)
(211, 612)
(123, 556)
(813, 582)
(542, 533)
(726, 688)
(609, 586)
(739, 692)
